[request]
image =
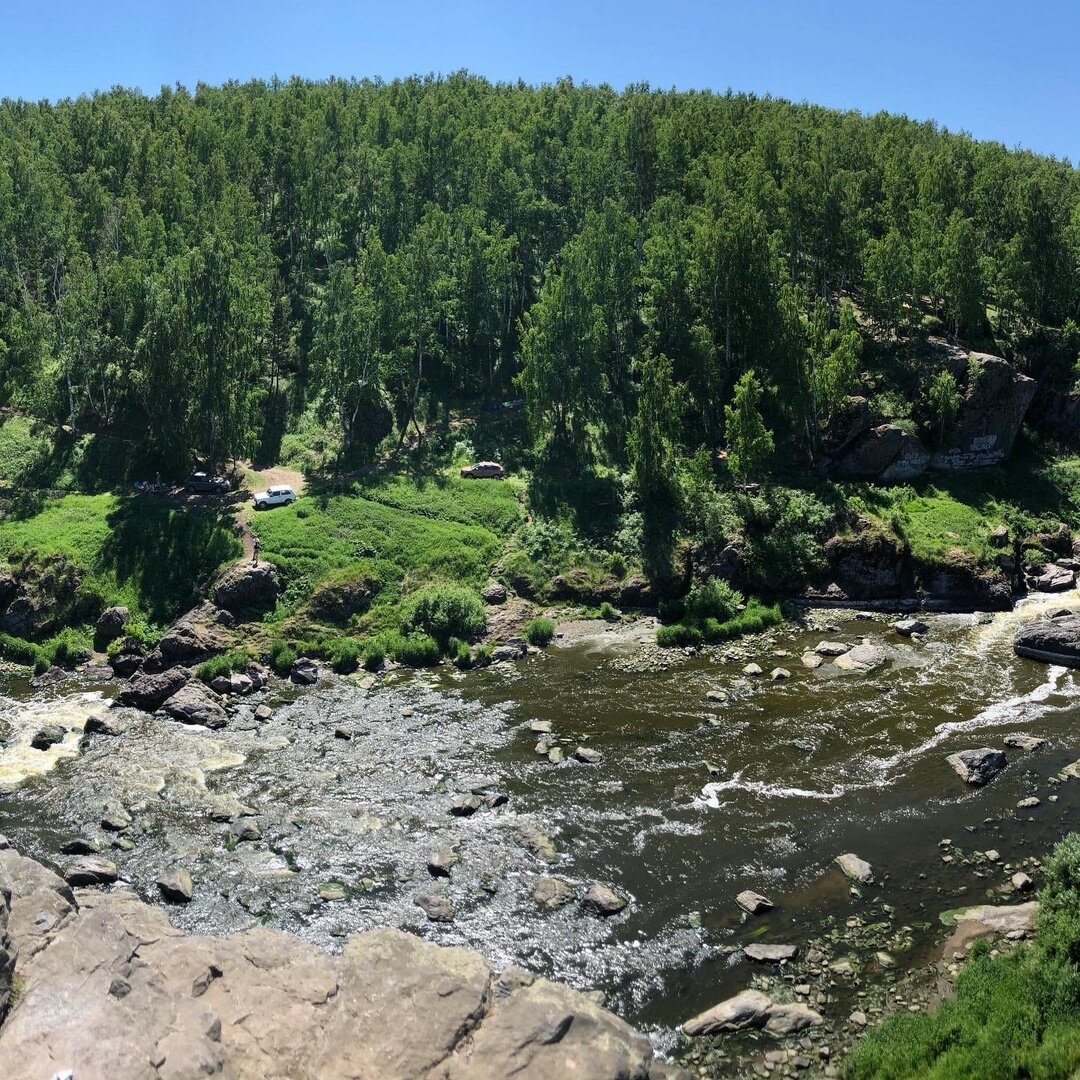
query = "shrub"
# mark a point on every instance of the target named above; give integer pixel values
(416, 650)
(459, 652)
(716, 599)
(19, 651)
(282, 656)
(344, 655)
(671, 609)
(539, 631)
(444, 612)
(1059, 909)
(679, 634)
(482, 655)
(225, 664)
(374, 655)
(609, 612)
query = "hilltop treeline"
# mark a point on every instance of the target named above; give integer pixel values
(652, 271)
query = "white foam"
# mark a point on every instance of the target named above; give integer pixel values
(711, 793)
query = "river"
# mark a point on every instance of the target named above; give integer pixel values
(801, 770)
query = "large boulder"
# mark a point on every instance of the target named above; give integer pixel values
(996, 399)
(149, 692)
(125, 995)
(868, 565)
(244, 587)
(753, 1009)
(195, 703)
(111, 623)
(339, 601)
(194, 637)
(977, 767)
(1055, 641)
(885, 454)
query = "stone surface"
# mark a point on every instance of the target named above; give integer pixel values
(105, 724)
(1024, 742)
(753, 903)
(1055, 579)
(552, 892)
(886, 454)
(832, 648)
(176, 886)
(753, 1009)
(116, 990)
(47, 736)
(977, 767)
(907, 627)
(763, 953)
(305, 671)
(855, 868)
(435, 906)
(494, 593)
(195, 703)
(996, 399)
(90, 870)
(1055, 641)
(149, 692)
(194, 637)
(603, 900)
(441, 862)
(588, 755)
(864, 657)
(244, 587)
(111, 622)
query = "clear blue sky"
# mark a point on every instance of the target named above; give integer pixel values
(1001, 70)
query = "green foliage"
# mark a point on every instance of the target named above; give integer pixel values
(225, 664)
(609, 612)
(539, 631)
(710, 630)
(444, 612)
(282, 656)
(716, 599)
(373, 655)
(749, 441)
(413, 650)
(1059, 901)
(943, 400)
(344, 654)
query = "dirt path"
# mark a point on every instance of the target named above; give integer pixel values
(260, 479)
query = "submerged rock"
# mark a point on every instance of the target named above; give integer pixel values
(588, 755)
(855, 868)
(753, 903)
(1055, 641)
(552, 892)
(1024, 742)
(603, 900)
(441, 862)
(762, 953)
(435, 906)
(47, 736)
(977, 767)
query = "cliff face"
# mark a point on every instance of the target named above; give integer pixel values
(110, 989)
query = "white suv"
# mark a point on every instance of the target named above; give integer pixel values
(273, 496)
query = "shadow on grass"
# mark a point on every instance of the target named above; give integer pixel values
(167, 553)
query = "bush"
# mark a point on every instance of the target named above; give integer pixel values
(1059, 909)
(282, 656)
(225, 664)
(344, 655)
(716, 599)
(753, 619)
(609, 612)
(482, 655)
(679, 634)
(460, 653)
(539, 631)
(416, 650)
(444, 612)
(671, 609)
(374, 655)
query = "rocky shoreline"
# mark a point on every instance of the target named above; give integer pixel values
(102, 984)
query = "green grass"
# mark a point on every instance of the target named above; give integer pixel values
(146, 555)
(405, 534)
(36, 456)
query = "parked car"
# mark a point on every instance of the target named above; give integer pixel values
(206, 484)
(279, 495)
(483, 470)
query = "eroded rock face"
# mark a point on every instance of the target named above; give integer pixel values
(194, 637)
(995, 402)
(886, 454)
(118, 989)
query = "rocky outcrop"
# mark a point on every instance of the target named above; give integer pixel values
(996, 399)
(977, 767)
(869, 565)
(114, 990)
(149, 692)
(194, 703)
(203, 632)
(886, 454)
(244, 588)
(37, 599)
(1054, 641)
(111, 622)
(339, 601)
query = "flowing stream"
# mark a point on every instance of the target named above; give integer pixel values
(695, 799)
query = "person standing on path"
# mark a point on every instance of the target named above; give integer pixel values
(256, 547)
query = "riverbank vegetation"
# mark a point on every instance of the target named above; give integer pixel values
(1012, 1015)
(654, 308)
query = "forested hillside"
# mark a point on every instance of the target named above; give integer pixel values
(204, 267)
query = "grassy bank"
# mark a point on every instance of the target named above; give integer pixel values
(1013, 1015)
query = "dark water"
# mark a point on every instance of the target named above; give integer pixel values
(807, 768)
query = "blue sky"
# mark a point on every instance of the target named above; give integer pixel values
(1000, 70)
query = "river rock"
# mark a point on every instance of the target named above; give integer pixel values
(539, 843)
(552, 892)
(855, 868)
(244, 829)
(194, 703)
(113, 987)
(1021, 882)
(263, 713)
(176, 886)
(811, 660)
(80, 846)
(47, 736)
(237, 683)
(1055, 579)
(466, 805)
(1024, 742)
(863, 657)
(753, 903)
(441, 862)
(750, 1009)
(435, 906)
(115, 818)
(503, 653)
(753, 669)
(791, 1018)
(907, 627)
(588, 755)
(1029, 803)
(243, 587)
(831, 648)
(602, 900)
(779, 674)
(90, 870)
(977, 767)
(1055, 641)
(104, 724)
(305, 671)
(149, 692)
(763, 953)
(111, 623)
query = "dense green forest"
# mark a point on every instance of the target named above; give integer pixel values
(206, 268)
